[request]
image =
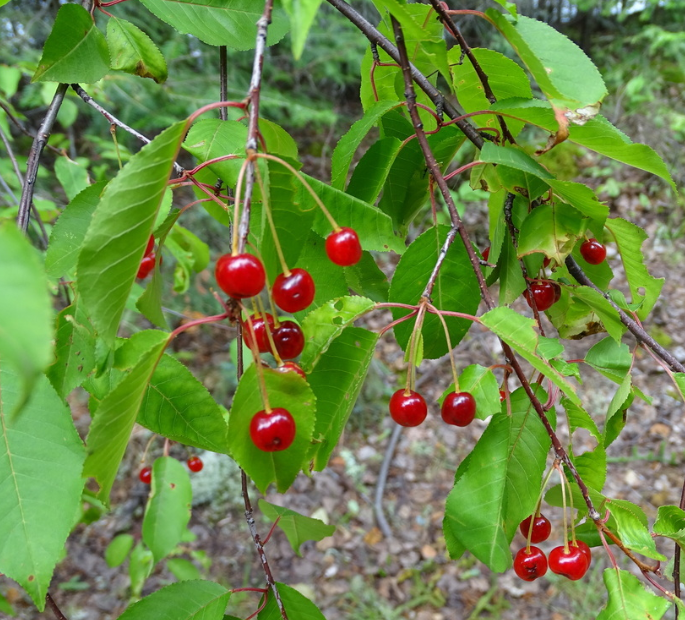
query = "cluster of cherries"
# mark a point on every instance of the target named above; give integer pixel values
(572, 559)
(149, 259)
(194, 463)
(408, 408)
(241, 276)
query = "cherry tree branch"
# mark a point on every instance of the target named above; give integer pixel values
(676, 559)
(56, 610)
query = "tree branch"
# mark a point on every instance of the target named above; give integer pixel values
(56, 610)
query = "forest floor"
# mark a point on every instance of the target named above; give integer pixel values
(358, 572)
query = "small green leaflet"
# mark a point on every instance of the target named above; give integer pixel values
(183, 570)
(75, 52)
(296, 527)
(629, 599)
(296, 605)
(302, 14)
(140, 565)
(132, 51)
(633, 528)
(168, 507)
(372, 171)
(72, 176)
(670, 522)
(117, 551)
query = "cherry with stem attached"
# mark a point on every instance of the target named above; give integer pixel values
(545, 293)
(593, 251)
(530, 563)
(259, 325)
(273, 431)
(343, 247)
(240, 276)
(408, 408)
(288, 339)
(540, 530)
(294, 290)
(145, 475)
(195, 464)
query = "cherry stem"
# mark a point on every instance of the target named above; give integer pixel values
(271, 531)
(262, 605)
(563, 480)
(260, 590)
(256, 361)
(210, 195)
(209, 162)
(537, 512)
(415, 334)
(269, 335)
(464, 168)
(450, 351)
(213, 106)
(431, 309)
(272, 226)
(573, 525)
(235, 250)
(202, 321)
(612, 559)
(167, 443)
(398, 321)
(147, 449)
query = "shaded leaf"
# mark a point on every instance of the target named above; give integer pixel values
(629, 599)
(302, 14)
(295, 604)
(117, 551)
(132, 51)
(297, 527)
(73, 177)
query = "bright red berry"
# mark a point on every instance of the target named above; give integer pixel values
(343, 247)
(145, 475)
(408, 408)
(259, 326)
(458, 408)
(544, 292)
(542, 528)
(502, 395)
(150, 246)
(294, 292)
(292, 367)
(272, 432)
(572, 565)
(146, 266)
(240, 276)
(593, 251)
(584, 548)
(530, 564)
(289, 340)
(195, 464)
(486, 253)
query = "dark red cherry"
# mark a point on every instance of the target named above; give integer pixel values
(292, 367)
(486, 253)
(145, 475)
(530, 564)
(544, 293)
(272, 432)
(593, 251)
(195, 464)
(546, 262)
(240, 276)
(542, 528)
(343, 247)
(572, 565)
(289, 340)
(458, 408)
(557, 291)
(294, 292)
(259, 326)
(408, 408)
(146, 266)
(584, 548)
(150, 246)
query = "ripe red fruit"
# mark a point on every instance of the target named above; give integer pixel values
(292, 367)
(145, 475)
(486, 253)
(408, 408)
(240, 276)
(529, 565)
(502, 395)
(545, 293)
(343, 247)
(289, 340)
(272, 432)
(259, 326)
(195, 464)
(593, 251)
(150, 246)
(458, 408)
(572, 565)
(542, 528)
(146, 266)
(584, 548)
(294, 292)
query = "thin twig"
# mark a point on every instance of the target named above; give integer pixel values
(676, 560)
(56, 610)
(223, 80)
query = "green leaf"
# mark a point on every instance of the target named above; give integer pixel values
(323, 325)
(456, 289)
(633, 529)
(168, 507)
(579, 418)
(348, 144)
(70, 229)
(117, 551)
(116, 414)
(150, 302)
(219, 22)
(592, 467)
(519, 333)
(139, 568)
(176, 405)
(629, 239)
(336, 381)
(563, 72)
(73, 177)
(297, 528)
(5, 606)
(510, 7)
(74, 350)
(670, 522)
(120, 228)
(302, 14)
(499, 485)
(183, 570)
(629, 599)
(132, 51)
(481, 383)
(551, 229)
(604, 310)
(75, 52)
(372, 171)
(611, 358)
(187, 600)
(295, 604)
(41, 456)
(616, 414)
(26, 311)
(287, 390)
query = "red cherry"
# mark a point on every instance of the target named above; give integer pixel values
(502, 395)
(195, 464)
(272, 432)
(343, 247)
(546, 262)
(572, 565)
(584, 548)
(150, 246)
(292, 367)
(146, 266)
(593, 251)
(145, 475)
(240, 276)
(458, 408)
(408, 408)
(544, 293)
(486, 253)
(542, 528)
(294, 292)
(529, 565)
(557, 291)
(260, 331)
(289, 340)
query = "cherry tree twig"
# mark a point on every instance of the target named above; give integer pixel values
(676, 560)
(56, 610)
